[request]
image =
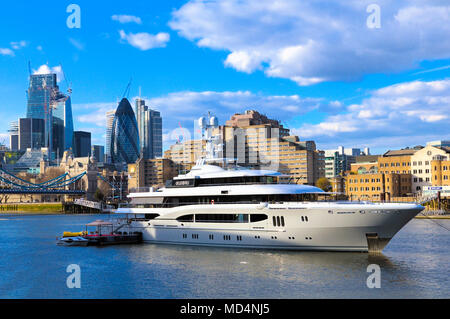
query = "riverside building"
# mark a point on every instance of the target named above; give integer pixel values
(256, 141)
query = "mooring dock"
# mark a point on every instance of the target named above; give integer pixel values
(104, 234)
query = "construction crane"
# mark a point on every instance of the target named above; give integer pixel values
(68, 83)
(127, 90)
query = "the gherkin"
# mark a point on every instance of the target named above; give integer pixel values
(124, 135)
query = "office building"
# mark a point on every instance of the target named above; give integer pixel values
(439, 143)
(14, 136)
(124, 146)
(150, 173)
(62, 124)
(81, 144)
(30, 133)
(150, 130)
(98, 151)
(46, 102)
(339, 160)
(109, 123)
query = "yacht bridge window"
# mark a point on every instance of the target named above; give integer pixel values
(222, 218)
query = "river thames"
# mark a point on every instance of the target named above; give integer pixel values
(415, 264)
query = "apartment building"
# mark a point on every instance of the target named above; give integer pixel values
(440, 171)
(374, 187)
(380, 177)
(263, 146)
(256, 141)
(150, 173)
(422, 167)
(185, 154)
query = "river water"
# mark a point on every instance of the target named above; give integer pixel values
(415, 264)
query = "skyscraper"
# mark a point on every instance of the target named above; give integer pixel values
(81, 144)
(31, 133)
(98, 151)
(124, 145)
(62, 124)
(46, 102)
(14, 135)
(40, 92)
(109, 123)
(150, 130)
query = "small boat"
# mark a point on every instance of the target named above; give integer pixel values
(105, 233)
(73, 241)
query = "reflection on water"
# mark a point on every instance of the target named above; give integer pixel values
(413, 265)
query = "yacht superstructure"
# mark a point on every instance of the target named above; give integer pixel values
(230, 206)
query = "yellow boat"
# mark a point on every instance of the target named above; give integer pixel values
(74, 234)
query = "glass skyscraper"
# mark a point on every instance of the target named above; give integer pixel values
(30, 133)
(81, 144)
(46, 102)
(109, 122)
(62, 124)
(40, 95)
(124, 146)
(150, 130)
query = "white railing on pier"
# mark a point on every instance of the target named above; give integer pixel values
(88, 203)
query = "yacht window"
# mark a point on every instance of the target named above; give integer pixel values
(257, 217)
(186, 218)
(282, 221)
(274, 221)
(278, 221)
(221, 218)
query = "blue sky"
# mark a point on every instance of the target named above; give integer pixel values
(316, 66)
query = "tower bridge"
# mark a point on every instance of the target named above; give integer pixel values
(61, 185)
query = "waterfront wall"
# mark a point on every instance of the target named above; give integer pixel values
(32, 208)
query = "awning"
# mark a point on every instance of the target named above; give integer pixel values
(99, 223)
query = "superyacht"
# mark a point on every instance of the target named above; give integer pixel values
(225, 205)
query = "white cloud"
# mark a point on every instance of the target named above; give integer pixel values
(183, 108)
(18, 45)
(45, 69)
(145, 41)
(123, 18)
(93, 113)
(315, 41)
(408, 113)
(399, 115)
(6, 51)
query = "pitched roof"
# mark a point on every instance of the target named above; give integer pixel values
(403, 152)
(367, 158)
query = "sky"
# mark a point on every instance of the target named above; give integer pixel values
(353, 73)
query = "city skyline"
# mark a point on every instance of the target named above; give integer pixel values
(187, 63)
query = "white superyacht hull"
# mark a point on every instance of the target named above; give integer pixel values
(326, 226)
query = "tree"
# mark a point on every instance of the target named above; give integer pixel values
(99, 195)
(50, 173)
(103, 187)
(324, 184)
